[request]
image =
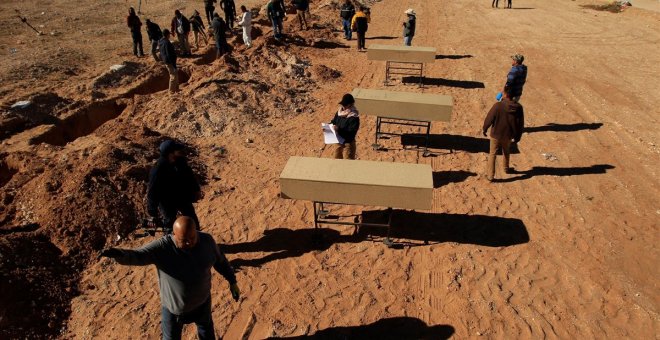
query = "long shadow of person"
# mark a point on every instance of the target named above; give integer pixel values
(391, 328)
(283, 243)
(548, 171)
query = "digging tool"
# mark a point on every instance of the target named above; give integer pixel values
(24, 20)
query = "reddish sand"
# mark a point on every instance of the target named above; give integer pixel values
(566, 248)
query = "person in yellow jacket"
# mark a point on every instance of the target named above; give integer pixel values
(360, 25)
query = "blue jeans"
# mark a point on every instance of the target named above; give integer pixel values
(277, 27)
(407, 40)
(348, 34)
(172, 324)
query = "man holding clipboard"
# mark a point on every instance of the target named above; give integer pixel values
(343, 128)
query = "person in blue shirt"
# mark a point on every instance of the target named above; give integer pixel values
(517, 76)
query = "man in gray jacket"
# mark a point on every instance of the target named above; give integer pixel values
(184, 260)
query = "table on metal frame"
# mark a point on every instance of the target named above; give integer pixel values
(406, 71)
(407, 122)
(320, 215)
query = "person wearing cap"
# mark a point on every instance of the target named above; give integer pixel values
(168, 57)
(183, 260)
(409, 27)
(172, 187)
(134, 23)
(246, 24)
(346, 13)
(198, 28)
(505, 120)
(180, 29)
(346, 123)
(517, 76)
(155, 34)
(219, 32)
(360, 25)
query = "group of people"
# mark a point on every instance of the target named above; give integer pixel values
(185, 255)
(495, 3)
(505, 120)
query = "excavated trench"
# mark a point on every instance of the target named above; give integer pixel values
(80, 123)
(156, 82)
(6, 173)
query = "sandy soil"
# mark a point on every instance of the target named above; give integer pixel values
(563, 249)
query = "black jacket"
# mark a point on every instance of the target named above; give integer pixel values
(197, 23)
(347, 127)
(347, 11)
(167, 52)
(219, 28)
(153, 31)
(229, 7)
(185, 25)
(409, 26)
(301, 5)
(170, 186)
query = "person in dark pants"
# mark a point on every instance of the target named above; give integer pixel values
(508, 4)
(495, 3)
(360, 25)
(507, 120)
(346, 123)
(302, 7)
(346, 13)
(275, 14)
(219, 32)
(155, 34)
(409, 27)
(172, 187)
(229, 8)
(134, 23)
(517, 77)
(209, 9)
(183, 260)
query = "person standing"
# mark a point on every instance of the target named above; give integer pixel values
(172, 187)
(508, 4)
(275, 14)
(181, 28)
(168, 56)
(183, 260)
(209, 9)
(495, 4)
(346, 13)
(134, 23)
(517, 77)
(409, 27)
(246, 24)
(219, 32)
(155, 34)
(229, 8)
(506, 120)
(360, 25)
(198, 28)
(302, 7)
(346, 124)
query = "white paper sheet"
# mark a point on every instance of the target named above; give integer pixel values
(330, 135)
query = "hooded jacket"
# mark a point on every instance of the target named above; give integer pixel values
(506, 119)
(360, 22)
(171, 185)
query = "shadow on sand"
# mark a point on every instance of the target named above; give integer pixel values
(403, 327)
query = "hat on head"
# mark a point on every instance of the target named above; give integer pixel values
(168, 146)
(410, 11)
(519, 58)
(347, 99)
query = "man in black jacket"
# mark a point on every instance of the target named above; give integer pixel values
(346, 13)
(505, 120)
(155, 34)
(181, 29)
(346, 123)
(409, 27)
(172, 187)
(219, 32)
(168, 56)
(229, 7)
(134, 23)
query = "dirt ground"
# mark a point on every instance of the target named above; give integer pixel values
(565, 248)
